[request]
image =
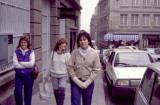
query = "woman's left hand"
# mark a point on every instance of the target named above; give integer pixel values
(87, 83)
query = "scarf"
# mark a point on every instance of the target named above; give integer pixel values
(84, 52)
(23, 51)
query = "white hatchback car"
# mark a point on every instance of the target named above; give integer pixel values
(124, 70)
(153, 53)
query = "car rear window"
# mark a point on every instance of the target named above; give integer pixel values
(138, 59)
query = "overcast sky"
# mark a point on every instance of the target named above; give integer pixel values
(87, 11)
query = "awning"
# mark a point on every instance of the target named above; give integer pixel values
(108, 36)
(126, 37)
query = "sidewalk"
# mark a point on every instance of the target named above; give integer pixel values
(52, 101)
(97, 99)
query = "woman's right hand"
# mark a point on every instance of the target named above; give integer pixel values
(79, 83)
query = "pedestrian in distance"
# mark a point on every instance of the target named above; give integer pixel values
(23, 62)
(75, 45)
(58, 69)
(83, 68)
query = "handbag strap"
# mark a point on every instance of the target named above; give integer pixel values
(52, 55)
(52, 58)
(36, 68)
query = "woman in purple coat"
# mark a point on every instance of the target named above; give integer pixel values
(23, 61)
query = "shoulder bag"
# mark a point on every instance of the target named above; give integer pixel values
(35, 72)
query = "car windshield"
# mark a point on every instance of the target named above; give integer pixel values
(132, 59)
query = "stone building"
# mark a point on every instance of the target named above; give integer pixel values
(129, 20)
(94, 24)
(41, 21)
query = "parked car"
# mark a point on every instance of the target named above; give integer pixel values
(107, 54)
(130, 47)
(153, 52)
(104, 55)
(148, 92)
(124, 70)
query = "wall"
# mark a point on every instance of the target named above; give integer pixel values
(14, 20)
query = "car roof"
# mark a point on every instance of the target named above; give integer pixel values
(131, 47)
(117, 50)
(127, 46)
(148, 48)
(104, 50)
(155, 66)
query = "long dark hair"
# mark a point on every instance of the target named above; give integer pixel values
(85, 34)
(59, 42)
(25, 38)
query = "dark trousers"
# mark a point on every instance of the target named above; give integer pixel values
(77, 92)
(27, 82)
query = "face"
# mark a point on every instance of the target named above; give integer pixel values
(24, 44)
(63, 46)
(83, 42)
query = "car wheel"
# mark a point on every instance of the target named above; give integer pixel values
(109, 86)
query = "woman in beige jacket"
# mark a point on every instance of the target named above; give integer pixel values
(83, 68)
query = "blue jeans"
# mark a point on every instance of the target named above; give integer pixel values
(77, 92)
(58, 82)
(27, 82)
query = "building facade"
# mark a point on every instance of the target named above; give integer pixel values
(41, 21)
(129, 20)
(94, 25)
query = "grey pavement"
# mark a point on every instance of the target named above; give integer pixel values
(97, 99)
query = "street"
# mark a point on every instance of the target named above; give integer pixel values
(101, 95)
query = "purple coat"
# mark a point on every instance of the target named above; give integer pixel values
(22, 58)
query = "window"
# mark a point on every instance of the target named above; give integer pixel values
(6, 45)
(157, 3)
(155, 100)
(103, 21)
(123, 19)
(157, 20)
(146, 20)
(146, 2)
(148, 84)
(134, 19)
(134, 2)
(103, 9)
(124, 2)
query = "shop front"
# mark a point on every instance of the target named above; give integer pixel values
(116, 40)
(151, 41)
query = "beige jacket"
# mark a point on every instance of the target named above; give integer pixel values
(84, 70)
